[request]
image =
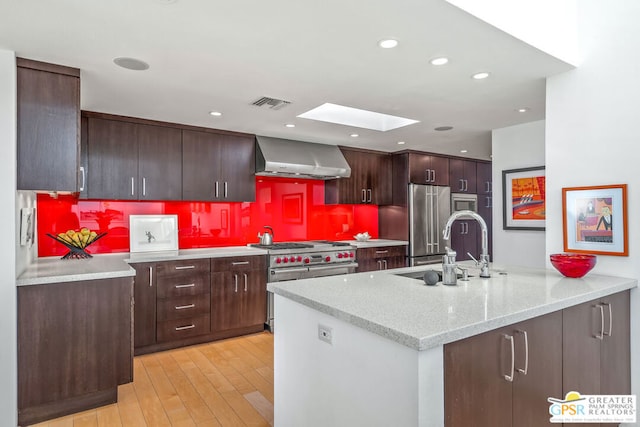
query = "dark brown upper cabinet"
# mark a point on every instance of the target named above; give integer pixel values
(484, 179)
(428, 169)
(218, 167)
(462, 176)
(370, 181)
(48, 102)
(132, 161)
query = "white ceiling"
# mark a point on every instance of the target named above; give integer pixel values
(223, 55)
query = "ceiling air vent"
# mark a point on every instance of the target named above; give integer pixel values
(273, 103)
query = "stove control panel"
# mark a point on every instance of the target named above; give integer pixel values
(324, 257)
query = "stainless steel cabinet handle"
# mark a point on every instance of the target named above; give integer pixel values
(382, 252)
(600, 336)
(610, 318)
(185, 267)
(427, 175)
(364, 195)
(461, 186)
(83, 178)
(235, 276)
(144, 186)
(245, 282)
(132, 186)
(369, 195)
(184, 307)
(150, 276)
(225, 189)
(379, 265)
(182, 328)
(488, 186)
(510, 377)
(189, 285)
(384, 261)
(488, 204)
(217, 191)
(466, 185)
(433, 175)
(526, 353)
(240, 263)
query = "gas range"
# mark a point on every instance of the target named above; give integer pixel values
(303, 260)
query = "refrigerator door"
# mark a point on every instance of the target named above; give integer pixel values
(429, 209)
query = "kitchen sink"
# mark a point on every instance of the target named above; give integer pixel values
(420, 274)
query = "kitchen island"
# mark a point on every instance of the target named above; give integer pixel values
(369, 348)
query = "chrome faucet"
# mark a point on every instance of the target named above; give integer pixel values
(484, 255)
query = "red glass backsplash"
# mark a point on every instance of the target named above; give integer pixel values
(294, 208)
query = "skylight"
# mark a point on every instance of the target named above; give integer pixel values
(348, 116)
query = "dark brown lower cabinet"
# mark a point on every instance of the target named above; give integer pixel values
(74, 346)
(482, 389)
(381, 258)
(238, 293)
(597, 357)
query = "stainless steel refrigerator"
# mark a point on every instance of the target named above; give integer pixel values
(429, 208)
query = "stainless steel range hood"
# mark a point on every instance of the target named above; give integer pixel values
(284, 157)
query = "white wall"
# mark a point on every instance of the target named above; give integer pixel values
(516, 147)
(8, 350)
(593, 135)
(24, 254)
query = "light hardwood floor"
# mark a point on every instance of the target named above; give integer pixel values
(223, 383)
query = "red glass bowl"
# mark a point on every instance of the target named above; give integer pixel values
(573, 265)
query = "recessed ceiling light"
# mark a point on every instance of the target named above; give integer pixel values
(400, 142)
(354, 135)
(480, 76)
(131, 63)
(388, 43)
(439, 61)
(355, 117)
(443, 128)
(522, 110)
(215, 113)
(463, 151)
(290, 125)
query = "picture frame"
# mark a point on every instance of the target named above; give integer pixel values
(594, 220)
(153, 233)
(523, 199)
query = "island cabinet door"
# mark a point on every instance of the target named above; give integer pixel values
(504, 377)
(144, 287)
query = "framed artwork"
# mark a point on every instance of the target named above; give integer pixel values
(523, 199)
(594, 219)
(152, 233)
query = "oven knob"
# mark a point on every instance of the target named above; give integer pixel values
(327, 258)
(285, 260)
(278, 260)
(351, 255)
(307, 260)
(340, 255)
(346, 255)
(292, 259)
(299, 259)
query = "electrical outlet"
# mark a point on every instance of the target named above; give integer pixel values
(325, 334)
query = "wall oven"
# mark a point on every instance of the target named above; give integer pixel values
(304, 260)
(464, 202)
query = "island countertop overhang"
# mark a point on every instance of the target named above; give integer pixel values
(421, 317)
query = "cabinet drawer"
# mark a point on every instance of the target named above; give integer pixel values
(382, 252)
(192, 284)
(181, 307)
(183, 328)
(258, 262)
(180, 267)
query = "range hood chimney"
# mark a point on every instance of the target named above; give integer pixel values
(284, 157)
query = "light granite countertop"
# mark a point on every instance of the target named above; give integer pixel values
(409, 312)
(106, 266)
(376, 243)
